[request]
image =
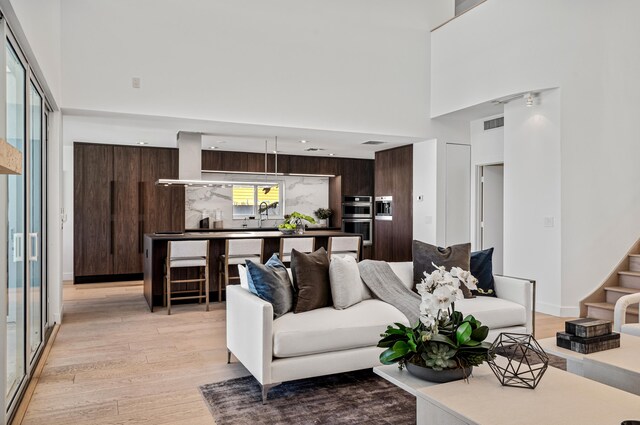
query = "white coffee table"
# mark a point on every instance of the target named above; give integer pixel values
(618, 367)
(560, 398)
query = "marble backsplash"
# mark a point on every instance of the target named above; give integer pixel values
(301, 194)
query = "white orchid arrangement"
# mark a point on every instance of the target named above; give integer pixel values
(443, 338)
(439, 291)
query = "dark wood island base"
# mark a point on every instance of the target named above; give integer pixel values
(155, 253)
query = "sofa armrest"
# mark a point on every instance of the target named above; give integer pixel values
(520, 291)
(620, 310)
(250, 331)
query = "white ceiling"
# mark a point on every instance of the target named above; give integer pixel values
(125, 129)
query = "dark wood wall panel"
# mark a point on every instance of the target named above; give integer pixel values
(127, 224)
(93, 209)
(394, 177)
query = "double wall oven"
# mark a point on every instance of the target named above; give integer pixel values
(357, 216)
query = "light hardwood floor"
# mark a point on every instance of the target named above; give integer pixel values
(114, 362)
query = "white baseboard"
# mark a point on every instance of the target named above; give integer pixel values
(557, 310)
(67, 276)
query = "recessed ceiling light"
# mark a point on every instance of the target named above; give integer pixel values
(143, 143)
(275, 151)
(213, 147)
(331, 154)
(303, 141)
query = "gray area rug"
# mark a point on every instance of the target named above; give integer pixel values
(359, 397)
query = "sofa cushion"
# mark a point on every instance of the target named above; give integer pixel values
(327, 329)
(493, 312)
(482, 269)
(310, 280)
(270, 281)
(426, 255)
(346, 285)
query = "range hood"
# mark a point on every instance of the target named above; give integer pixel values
(190, 164)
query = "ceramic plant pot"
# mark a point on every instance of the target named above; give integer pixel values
(440, 376)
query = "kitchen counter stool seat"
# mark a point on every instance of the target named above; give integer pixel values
(305, 245)
(187, 254)
(237, 251)
(344, 246)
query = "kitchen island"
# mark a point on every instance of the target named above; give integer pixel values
(155, 253)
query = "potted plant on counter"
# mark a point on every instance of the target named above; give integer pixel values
(443, 346)
(323, 215)
(294, 223)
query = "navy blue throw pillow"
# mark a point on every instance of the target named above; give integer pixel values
(270, 281)
(482, 269)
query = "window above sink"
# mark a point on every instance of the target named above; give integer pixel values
(254, 200)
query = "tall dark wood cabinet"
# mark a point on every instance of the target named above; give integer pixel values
(126, 222)
(394, 177)
(116, 201)
(93, 237)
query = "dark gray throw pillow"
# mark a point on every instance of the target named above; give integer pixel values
(425, 255)
(310, 280)
(271, 283)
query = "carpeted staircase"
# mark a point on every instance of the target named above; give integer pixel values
(625, 280)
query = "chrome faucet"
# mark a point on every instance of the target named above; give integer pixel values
(261, 211)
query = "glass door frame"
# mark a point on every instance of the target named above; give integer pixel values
(30, 361)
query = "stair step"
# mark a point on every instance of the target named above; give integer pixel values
(629, 279)
(634, 262)
(605, 311)
(613, 293)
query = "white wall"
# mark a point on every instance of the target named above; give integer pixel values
(487, 147)
(531, 194)
(41, 21)
(586, 51)
(358, 65)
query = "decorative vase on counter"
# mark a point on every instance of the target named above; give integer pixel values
(322, 222)
(300, 229)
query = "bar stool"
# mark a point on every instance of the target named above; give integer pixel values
(237, 251)
(305, 245)
(344, 246)
(187, 254)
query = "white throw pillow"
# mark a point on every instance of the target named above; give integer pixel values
(346, 285)
(244, 282)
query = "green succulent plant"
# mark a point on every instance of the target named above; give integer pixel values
(439, 357)
(458, 343)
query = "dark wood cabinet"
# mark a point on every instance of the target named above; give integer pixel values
(93, 199)
(116, 201)
(127, 258)
(162, 208)
(394, 177)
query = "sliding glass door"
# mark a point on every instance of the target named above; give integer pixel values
(16, 317)
(35, 241)
(25, 194)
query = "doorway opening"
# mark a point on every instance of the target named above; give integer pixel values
(490, 212)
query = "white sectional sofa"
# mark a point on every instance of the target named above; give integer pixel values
(326, 340)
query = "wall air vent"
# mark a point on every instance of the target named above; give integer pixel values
(494, 123)
(374, 142)
(313, 149)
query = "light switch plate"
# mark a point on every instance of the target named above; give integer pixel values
(548, 222)
(135, 82)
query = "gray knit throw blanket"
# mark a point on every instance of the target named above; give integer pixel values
(386, 286)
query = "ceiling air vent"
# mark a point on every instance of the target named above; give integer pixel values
(494, 123)
(313, 149)
(374, 142)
